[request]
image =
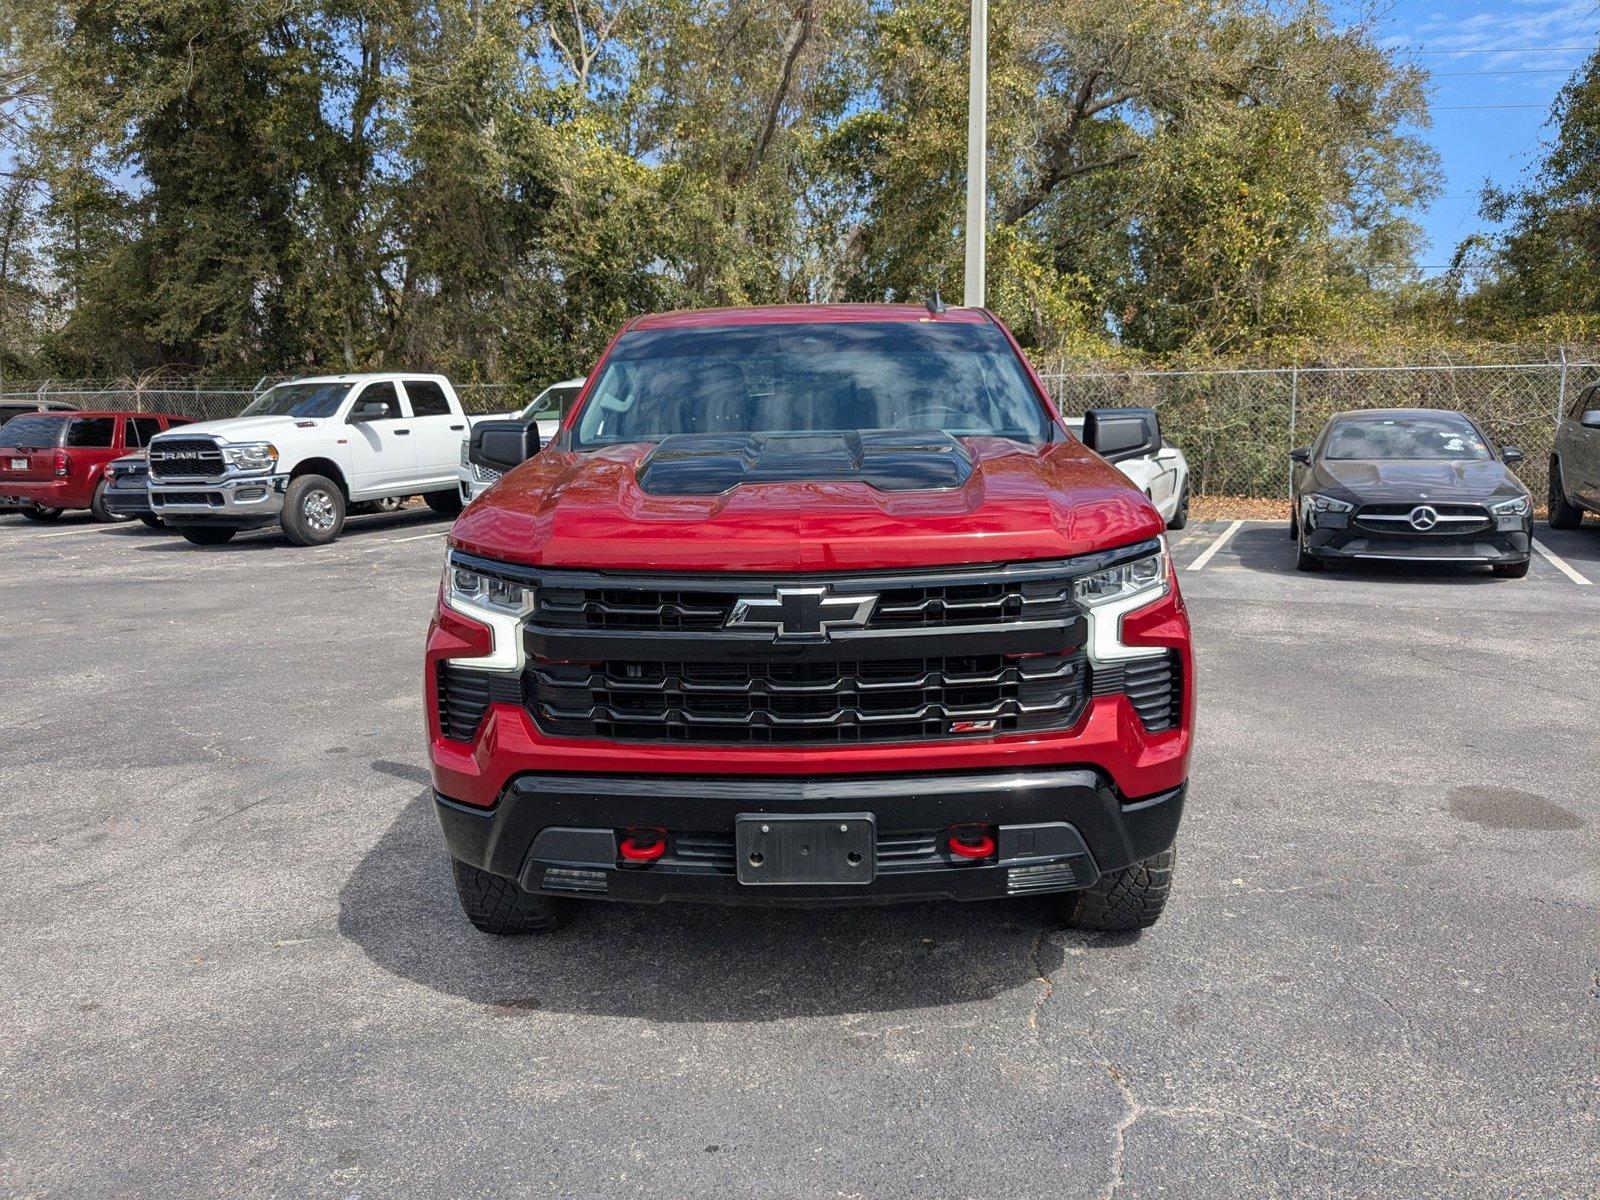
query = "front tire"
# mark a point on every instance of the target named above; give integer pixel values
(446, 504)
(1123, 901)
(497, 905)
(97, 507)
(207, 535)
(1563, 513)
(1180, 516)
(1512, 570)
(1304, 560)
(41, 514)
(313, 511)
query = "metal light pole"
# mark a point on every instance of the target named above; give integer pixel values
(977, 158)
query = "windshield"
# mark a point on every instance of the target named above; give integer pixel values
(1405, 437)
(552, 402)
(962, 379)
(34, 431)
(298, 400)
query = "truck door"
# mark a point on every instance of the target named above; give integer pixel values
(383, 448)
(437, 430)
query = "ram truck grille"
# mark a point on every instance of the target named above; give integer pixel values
(185, 458)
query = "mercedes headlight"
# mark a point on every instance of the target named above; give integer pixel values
(1517, 506)
(474, 589)
(1328, 504)
(251, 456)
(1129, 579)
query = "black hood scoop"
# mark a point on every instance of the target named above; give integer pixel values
(705, 464)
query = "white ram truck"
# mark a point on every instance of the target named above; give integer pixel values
(305, 452)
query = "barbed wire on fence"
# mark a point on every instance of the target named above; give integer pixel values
(1235, 426)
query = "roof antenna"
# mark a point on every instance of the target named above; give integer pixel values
(936, 303)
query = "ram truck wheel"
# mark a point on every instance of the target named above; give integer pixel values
(497, 905)
(1180, 515)
(446, 504)
(1122, 901)
(207, 535)
(313, 510)
(151, 520)
(1563, 513)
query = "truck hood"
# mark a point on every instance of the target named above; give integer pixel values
(247, 429)
(610, 509)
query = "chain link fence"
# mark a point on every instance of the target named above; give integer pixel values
(1236, 427)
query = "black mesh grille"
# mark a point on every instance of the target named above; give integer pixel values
(191, 457)
(771, 700)
(1153, 685)
(465, 695)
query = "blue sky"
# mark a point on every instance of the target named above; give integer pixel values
(1484, 54)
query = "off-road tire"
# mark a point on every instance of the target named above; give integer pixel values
(497, 905)
(1511, 570)
(1180, 515)
(446, 504)
(1123, 901)
(97, 506)
(298, 524)
(41, 514)
(1563, 513)
(151, 520)
(207, 535)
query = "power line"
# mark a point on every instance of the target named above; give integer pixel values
(1479, 107)
(1503, 50)
(1507, 71)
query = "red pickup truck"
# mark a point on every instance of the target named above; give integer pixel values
(811, 605)
(54, 461)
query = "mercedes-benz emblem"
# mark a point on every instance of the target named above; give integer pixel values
(801, 613)
(1423, 518)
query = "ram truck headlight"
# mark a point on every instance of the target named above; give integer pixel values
(1517, 506)
(465, 446)
(1141, 576)
(473, 589)
(251, 456)
(1327, 504)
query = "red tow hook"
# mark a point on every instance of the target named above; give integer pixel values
(642, 845)
(970, 841)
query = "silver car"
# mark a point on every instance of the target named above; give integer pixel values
(1575, 464)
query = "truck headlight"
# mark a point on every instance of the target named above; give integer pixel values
(251, 456)
(1124, 581)
(1327, 504)
(465, 445)
(1517, 506)
(473, 589)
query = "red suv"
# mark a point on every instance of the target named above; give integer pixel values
(55, 461)
(811, 605)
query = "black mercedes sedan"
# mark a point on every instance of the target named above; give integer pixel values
(1409, 484)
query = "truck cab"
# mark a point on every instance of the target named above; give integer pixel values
(304, 452)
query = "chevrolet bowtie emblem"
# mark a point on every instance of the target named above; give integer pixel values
(801, 613)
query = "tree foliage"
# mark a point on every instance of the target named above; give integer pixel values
(490, 187)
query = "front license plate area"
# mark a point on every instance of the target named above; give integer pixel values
(19, 464)
(776, 849)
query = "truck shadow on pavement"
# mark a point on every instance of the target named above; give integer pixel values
(271, 538)
(1269, 548)
(682, 962)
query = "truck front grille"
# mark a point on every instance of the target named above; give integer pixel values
(185, 458)
(765, 700)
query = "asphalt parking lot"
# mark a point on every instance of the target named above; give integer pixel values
(233, 963)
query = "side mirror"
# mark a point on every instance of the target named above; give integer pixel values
(502, 445)
(1302, 455)
(1510, 454)
(370, 410)
(1116, 434)
(1590, 418)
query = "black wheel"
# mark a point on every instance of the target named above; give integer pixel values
(1123, 901)
(1180, 516)
(207, 535)
(98, 508)
(497, 905)
(1512, 570)
(38, 512)
(446, 504)
(1294, 523)
(1305, 561)
(313, 510)
(1563, 513)
(151, 520)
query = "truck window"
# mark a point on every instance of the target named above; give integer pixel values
(299, 400)
(383, 393)
(94, 433)
(140, 430)
(427, 398)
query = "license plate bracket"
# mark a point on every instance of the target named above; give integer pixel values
(781, 849)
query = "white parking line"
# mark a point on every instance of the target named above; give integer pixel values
(1210, 551)
(417, 537)
(1560, 564)
(70, 533)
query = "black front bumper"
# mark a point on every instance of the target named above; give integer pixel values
(1491, 546)
(1057, 830)
(128, 502)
